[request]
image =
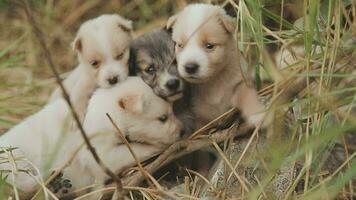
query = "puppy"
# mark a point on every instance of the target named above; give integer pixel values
(208, 58)
(152, 58)
(146, 120)
(44, 144)
(102, 46)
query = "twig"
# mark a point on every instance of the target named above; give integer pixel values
(123, 138)
(212, 124)
(223, 156)
(41, 39)
(178, 150)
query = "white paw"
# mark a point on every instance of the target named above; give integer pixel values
(256, 119)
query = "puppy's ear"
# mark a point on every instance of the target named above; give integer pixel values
(125, 25)
(77, 44)
(227, 22)
(171, 21)
(132, 103)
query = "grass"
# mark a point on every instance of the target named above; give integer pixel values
(309, 124)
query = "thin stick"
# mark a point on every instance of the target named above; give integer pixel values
(178, 150)
(123, 138)
(244, 186)
(211, 123)
(40, 37)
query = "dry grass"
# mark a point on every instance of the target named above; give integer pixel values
(312, 101)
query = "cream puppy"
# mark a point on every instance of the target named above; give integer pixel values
(207, 57)
(44, 142)
(102, 46)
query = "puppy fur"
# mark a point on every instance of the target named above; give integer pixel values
(145, 119)
(208, 58)
(152, 58)
(102, 46)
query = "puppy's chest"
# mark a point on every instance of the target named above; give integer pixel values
(209, 104)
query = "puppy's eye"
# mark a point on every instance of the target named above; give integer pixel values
(209, 46)
(119, 56)
(163, 118)
(95, 63)
(179, 45)
(150, 69)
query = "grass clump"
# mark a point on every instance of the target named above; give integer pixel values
(310, 97)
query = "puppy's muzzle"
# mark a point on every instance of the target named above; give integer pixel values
(113, 80)
(191, 68)
(173, 84)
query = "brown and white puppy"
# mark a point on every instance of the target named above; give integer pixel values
(208, 58)
(102, 45)
(152, 58)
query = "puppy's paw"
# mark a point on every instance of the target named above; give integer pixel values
(60, 186)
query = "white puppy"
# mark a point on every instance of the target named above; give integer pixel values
(102, 46)
(43, 140)
(208, 57)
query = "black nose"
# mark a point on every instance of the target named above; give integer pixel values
(113, 80)
(172, 84)
(191, 68)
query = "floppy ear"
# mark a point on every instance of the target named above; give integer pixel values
(77, 44)
(132, 103)
(171, 21)
(125, 25)
(227, 22)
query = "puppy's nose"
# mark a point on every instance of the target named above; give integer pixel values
(113, 80)
(172, 84)
(191, 68)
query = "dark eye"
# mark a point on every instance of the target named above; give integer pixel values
(150, 69)
(119, 56)
(209, 46)
(94, 63)
(180, 45)
(163, 118)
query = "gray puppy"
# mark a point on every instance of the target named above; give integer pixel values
(152, 58)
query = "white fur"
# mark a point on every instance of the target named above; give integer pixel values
(46, 140)
(197, 14)
(193, 17)
(96, 37)
(99, 30)
(143, 125)
(193, 53)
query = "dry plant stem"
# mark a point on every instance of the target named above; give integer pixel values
(210, 124)
(178, 150)
(226, 160)
(122, 137)
(48, 58)
(255, 132)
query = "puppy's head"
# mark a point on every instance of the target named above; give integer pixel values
(203, 37)
(102, 45)
(152, 58)
(141, 115)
